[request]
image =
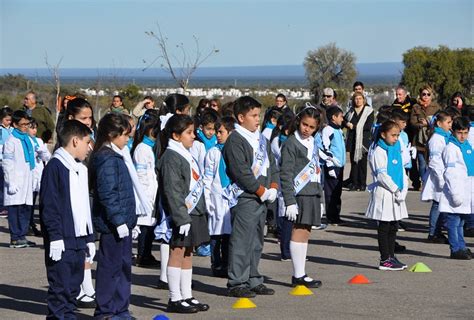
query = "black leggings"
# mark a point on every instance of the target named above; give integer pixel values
(386, 234)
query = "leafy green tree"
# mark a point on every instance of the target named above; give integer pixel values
(446, 70)
(330, 66)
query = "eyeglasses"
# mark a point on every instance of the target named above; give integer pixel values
(327, 96)
(426, 94)
(24, 124)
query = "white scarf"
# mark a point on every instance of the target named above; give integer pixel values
(253, 138)
(309, 144)
(193, 164)
(164, 119)
(143, 205)
(360, 131)
(78, 192)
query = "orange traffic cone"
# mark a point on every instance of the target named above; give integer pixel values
(359, 279)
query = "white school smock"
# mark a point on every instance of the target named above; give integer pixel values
(267, 133)
(144, 160)
(470, 137)
(17, 173)
(42, 155)
(406, 157)
(434, 181)
(382, 204)
(458, 190)
(217, 206)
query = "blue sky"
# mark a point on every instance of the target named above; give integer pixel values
(111, 33)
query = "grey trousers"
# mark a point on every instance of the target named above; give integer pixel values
(246, 243)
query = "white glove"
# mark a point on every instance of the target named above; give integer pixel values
(90, 256)
(135, 232)
(291, 212)
(398, 196)
(332, 173)
(123, 231)
(56, 249)
(13, 189)
(265, 196)
(184, 229)
(413, 152)
(273, 193)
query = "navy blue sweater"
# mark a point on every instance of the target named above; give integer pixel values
(56, 217)
(114, 200)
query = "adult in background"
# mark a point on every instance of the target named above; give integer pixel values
(359, 121)
(117, 105)
(147, 103)
(281, 103)
(404, 102)
(42, 116)
(358, 86)
(457, 101)
(420, 119)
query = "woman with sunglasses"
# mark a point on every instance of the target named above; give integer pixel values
(420, 120)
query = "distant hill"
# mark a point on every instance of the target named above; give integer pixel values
(372, 73)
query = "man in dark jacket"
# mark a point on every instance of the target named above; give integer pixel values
(41, 114)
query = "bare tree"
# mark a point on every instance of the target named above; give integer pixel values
(54, 71)
(180, 66)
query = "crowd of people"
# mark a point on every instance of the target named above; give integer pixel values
(220, 178)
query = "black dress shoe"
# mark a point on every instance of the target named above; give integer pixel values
(241, 292)
(146, 262)
(200, 306)
(162, 285)
(305, 281)
(262, 289)
(180, 306)
(461, 255)
(85, 304)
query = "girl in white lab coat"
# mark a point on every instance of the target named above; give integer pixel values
(215, 182)
(434, 181)
(387, 192)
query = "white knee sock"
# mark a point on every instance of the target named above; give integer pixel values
(174, 280)
(186, 280)
(298, 258)
(87, 285)
(164, 257)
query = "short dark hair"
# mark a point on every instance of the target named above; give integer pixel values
(356, 84)
(227, 122)
(5, 112)
(400, 115)
(70, 129)
(18, 115)
(281, 95)
(116, 96)
(244, 104)
(33, 122)
(208, 116)
(332, 111)
(461, 123)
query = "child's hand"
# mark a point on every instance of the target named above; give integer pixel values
(91, 254)
(184, 229)
(135, 232)
(123, 231)
(13, 189)
(398, 196)
(56, 249)
(291, 212)
(273, 195)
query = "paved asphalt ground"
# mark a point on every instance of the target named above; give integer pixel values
(335, 256)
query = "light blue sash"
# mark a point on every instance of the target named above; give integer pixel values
(308, 172)
(233, 191)
(194, 196)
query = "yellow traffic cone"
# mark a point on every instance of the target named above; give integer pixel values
(244, 303)
(301, 291)
(420, 267)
